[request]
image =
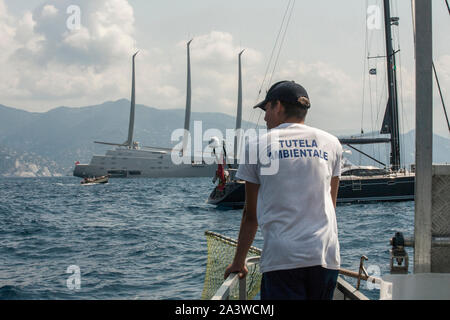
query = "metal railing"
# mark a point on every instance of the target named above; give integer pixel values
(223, 293)
(344, 290)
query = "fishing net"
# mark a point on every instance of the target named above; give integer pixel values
(221, 252)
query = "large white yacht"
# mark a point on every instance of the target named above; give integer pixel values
(128, 159)
(141, 162)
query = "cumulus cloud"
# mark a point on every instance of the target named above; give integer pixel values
(47, 61)
(214, 73)
(49, 10)
(219, 46)
(214, 58)
(46, 64)
(443, 69)
(7, 30)
(331, 89)
(106, 32)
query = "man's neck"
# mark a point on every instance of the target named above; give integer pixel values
(293, 120)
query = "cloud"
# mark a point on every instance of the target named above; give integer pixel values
(49, 10)
(105, 34)
(46, 64)
(92, 64)
(214, 60)
(442, 65)
(49, 64)
(7, 30)
(219, 46)
(335, 95)
(46, 61)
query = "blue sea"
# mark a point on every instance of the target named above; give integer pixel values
(144, 238)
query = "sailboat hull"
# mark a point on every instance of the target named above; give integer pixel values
(352, 189)
(232, 196)
(377, 188)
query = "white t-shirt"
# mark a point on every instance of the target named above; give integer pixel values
(295, 210)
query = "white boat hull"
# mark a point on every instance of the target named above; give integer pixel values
(129, 163)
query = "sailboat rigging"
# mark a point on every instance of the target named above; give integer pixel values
(371, 183)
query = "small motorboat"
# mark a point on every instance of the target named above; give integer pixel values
(95, 180)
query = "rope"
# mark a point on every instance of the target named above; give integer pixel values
(269, 63)
(273, 50)
(282, 42)
(289, 8)
(434, 69)
(440, 94)
(375, 100)
(364, 72)
(400, 92)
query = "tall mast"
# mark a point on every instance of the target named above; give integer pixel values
(239, 110)
(390, 121)
(129, 141)
(187, 116)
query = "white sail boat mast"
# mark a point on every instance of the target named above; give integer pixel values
(237, 137)
(129, 142)
(187, 117)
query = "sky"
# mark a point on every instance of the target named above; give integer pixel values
(78, 53)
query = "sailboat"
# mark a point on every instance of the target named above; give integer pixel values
(129, 159)
(363, 183)
(358, 183)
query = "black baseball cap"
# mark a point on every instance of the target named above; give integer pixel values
(285, 91)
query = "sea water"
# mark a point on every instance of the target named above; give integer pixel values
(144, 238)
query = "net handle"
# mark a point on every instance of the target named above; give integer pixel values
(230, 241)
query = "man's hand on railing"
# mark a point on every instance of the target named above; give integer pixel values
(241, 269)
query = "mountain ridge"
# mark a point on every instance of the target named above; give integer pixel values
(63, 135)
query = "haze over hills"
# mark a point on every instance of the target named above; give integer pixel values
(48, 144)
(64, 135)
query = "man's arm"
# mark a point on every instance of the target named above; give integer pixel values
(334, 189)
(247, 232)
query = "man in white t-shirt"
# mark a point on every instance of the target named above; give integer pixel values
(291, 194)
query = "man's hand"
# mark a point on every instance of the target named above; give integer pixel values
(240, 269)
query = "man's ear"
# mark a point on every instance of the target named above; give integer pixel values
(279, 108)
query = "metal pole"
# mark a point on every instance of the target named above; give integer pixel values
(424, 136)
(392, 106)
